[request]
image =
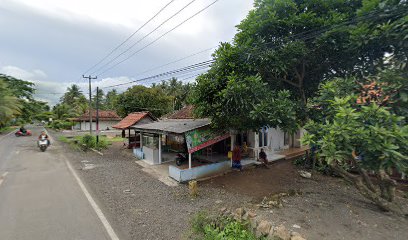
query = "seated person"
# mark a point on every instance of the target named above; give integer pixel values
(22, 129)
(263, 158)
(44, 135)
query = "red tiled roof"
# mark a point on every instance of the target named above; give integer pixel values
(104, 115)
(184, 113)
(132, 119)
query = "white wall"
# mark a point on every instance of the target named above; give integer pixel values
(276, 139)
(102, 125)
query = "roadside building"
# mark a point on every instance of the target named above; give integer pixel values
(107, 119)
(132, 120)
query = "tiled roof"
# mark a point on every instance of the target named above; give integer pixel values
(132, 119)
(184, 113)
(104, 115)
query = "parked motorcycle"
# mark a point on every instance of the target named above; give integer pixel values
(43, 144)
(23, 134)
(181, 157)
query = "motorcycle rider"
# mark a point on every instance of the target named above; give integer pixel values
(44, 135)
(23, 130)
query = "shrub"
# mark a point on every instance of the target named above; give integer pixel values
(89, 141)
(61, 125)
(219, 228)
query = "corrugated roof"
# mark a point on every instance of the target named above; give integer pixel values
(104, 115)
(132, 119)
(173, 125)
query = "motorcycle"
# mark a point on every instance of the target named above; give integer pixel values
(43, 144)
(23, 134)
(180, 158)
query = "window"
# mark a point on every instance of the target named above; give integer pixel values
(150, 141)
(263, 137)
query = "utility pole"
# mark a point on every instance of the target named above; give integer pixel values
(90, 101)
(97, 114)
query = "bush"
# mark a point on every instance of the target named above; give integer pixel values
(61, 125)
(89, 141)
(219, 228)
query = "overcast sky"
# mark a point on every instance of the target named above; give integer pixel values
(53, 42)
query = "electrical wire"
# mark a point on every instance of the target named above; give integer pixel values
(128, 38)
(145, 36)
(158, 38)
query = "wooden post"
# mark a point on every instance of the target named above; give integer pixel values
(189, 161)
(141, 140)
(129, 136)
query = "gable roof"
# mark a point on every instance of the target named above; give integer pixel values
(184, 113)
(132, 119)
(104, 115)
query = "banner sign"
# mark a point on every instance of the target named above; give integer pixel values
(202, 138)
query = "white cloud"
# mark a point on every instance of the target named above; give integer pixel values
(20, 73)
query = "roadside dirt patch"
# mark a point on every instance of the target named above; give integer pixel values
(323, 207)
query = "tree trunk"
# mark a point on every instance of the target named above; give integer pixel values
(358, 182)
(387, 186)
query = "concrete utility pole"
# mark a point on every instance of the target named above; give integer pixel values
(90, 101)
(97, 114)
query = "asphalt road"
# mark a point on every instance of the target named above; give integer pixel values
(40, 198)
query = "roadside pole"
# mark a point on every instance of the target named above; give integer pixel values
(90, 102)
(97, 114)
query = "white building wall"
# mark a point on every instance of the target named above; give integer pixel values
(276, 139)
(103, 125)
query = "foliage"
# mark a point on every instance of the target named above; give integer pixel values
(61, 125)
(245, 104)
(368, 136)
(22, 93)
(141, 98)
(89, 141)
(110, 99)
(10, 106)
(296, 45)
(232, 230)
(213, 228)
(181, 93)
(100, 98)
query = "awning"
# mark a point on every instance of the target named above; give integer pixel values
(202, 138)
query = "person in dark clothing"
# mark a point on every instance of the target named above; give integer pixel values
(263, 158)
(23, 130)
(236, 158)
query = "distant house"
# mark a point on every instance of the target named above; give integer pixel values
(132, 120)
(107, 119)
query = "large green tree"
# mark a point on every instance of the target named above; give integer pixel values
(361, 125)
(295, 45)
(10, 106)
(141, 98)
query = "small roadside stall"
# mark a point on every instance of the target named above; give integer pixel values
(205, 150)
(130, 120)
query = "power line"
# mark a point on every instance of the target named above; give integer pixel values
(194, 67)
(160, 25)
(308, 36)
(128, 38)
(158, 38)
(176, 61)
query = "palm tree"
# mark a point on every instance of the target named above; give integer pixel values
(73, 93)
(10, 106)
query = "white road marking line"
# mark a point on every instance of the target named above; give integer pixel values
(3, 176)
(96, 208)
(91, 201)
